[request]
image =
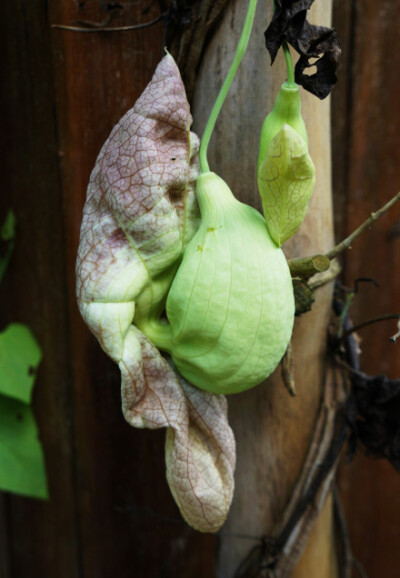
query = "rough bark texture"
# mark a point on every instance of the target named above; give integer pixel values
(110, 510)
(272, 429)
(366, 145)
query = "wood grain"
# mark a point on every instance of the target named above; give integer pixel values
(272, 430)
(34, 288)
(110, 510)
(315, 561)
(127, 517)
(367, 153)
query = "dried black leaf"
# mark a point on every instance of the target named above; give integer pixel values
(177, 12)
(377, 424)
(289, 14)
(364, 280)
(373, 407)
(318, 46)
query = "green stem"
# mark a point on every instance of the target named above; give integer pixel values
(240, 51)
(288, 59)
(289, 64)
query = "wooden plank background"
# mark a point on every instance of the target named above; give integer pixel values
(366, 173)
(110, 511)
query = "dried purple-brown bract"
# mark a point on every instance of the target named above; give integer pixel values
(139, 215)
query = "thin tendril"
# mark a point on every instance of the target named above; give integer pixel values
(240, 51)
(289, 64)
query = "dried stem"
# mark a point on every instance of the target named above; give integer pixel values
(87, 28)
(308, 266)
(385, 317)
(315, 480)
(92, 24)
(346, 243)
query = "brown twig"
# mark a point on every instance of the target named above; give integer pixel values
(346, 243)
(315, 480)
(93, 24)
(308, 266)
(327, 276)
(106, 29)
(385, 317)
(287, 370)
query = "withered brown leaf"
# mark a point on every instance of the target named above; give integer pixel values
(374, 416)
(139, 215)
(318, 46)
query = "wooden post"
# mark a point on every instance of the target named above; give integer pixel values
(273, 430)
(366, 147)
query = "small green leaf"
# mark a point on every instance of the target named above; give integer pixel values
(22, 467)
(20, 355)
(286, 180)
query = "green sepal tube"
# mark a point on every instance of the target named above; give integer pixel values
(286, 110)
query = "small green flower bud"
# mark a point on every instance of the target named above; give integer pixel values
(286, 173)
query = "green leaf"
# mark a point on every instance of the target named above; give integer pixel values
(22, 467)
(7, 234)
(286, 180)
(20, 355)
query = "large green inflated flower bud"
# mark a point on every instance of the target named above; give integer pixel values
(231, 306)
(286, 173)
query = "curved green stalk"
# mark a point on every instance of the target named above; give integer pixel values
(289, 64)
(240, 51)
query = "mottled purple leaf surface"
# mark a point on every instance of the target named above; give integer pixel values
(139, 215)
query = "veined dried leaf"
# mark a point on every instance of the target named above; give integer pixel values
(286, 180)
(200, 447)
(139, 215)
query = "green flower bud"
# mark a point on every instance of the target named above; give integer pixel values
(286, 173)
(231, 306)
(286, 110)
